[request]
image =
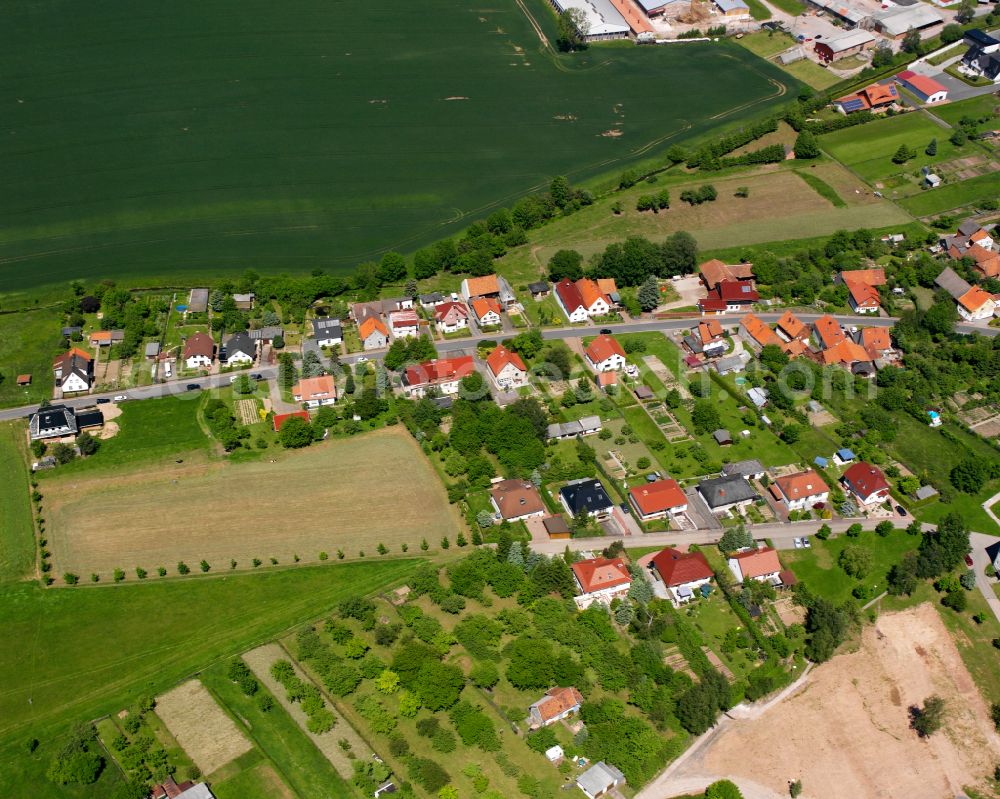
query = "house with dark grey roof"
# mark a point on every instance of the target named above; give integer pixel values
(539, 290)
(722, 437)
(327, 332)
(58, 421)
(240, 349)
(430, 300)
(586, 495)
(68, 332)
(983, 56)
(723, 494)
(950, 281)
(750, 469)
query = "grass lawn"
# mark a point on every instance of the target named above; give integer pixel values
(331, 496)
(949, 53)
(818, 567)
(17, 540)
(258, 782)
(985, 105)
(868, 149)
(780, 206)
(210, 164)
(766, 43)
(115, 644)
(29, 340)
(954, 195)
(812, 74)
(292, 755)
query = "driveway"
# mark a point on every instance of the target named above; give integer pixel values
(980, 561)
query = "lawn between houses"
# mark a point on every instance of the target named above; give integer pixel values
(84, 653)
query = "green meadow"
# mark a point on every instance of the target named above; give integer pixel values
(195, 138)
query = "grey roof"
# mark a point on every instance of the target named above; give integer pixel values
(693, 343)
(652, 5)
(539, 287)
(732, 5)
(244, 298)
(897, 21)
(601, 15)
(792, 55)
(599, 778)
(327, 328)
(643, 392)
(588, 495)
(555, 524)
(842, 10)
(722, 436)
(69, 331)
(926, 492)
(952, 283)
(89, 417)
(743, 468)
(732, 363)
(846, 41)
(588, 424)
(968, 227)
(152, 349)
(55, 420)
(758, 396)
(266, 333)
(433, 298)
(240, 342)
(199, 791)
(721, 491)
(198, 300)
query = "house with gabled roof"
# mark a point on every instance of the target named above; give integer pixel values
(373, 333)
(658, 500)
(800, 491)
(327, 332)
(729, 296)
(714, 272)
(199, 351)
(756, 333)
(105, 338)
(73, 371)
(725, 494)
(827, 332)
(976, 305)
(866, 482)
(570, 299)
(790, 328)
(600, 779)
(506, 369)
(315, 391)
(240, 350)
(557, 704)
(605, 354)
(450, 317)
(486, 311)
(404, 323)
(952, 282)
(515, 500)
(601, 580)
(442, 374)
(756, 564)
(877, 342)
(682, 573)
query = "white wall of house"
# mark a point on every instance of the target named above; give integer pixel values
(599, 307)
(329, 342)
(510, 377)
(238, 357)
(613, 363)
(694, 586)
(862, 309)
(985, 311)
(661, 515)
(74, 383)
(198, 362)
(604, 596)
(806, 502)
(406, 331)
(489, 319)
(375, 341)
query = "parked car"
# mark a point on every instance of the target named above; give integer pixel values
(805, 542)
(968, 561)
(900, 510)
(362, 359)
(193, 386)
(103, 400)
(605, 331)
(120, 397)
(797, 542)
(257, 376)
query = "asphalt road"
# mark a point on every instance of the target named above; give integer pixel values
(178, 387)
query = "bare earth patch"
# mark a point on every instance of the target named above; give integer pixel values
(846, 733)
(200, 726)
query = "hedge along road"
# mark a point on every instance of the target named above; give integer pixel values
(316, 134)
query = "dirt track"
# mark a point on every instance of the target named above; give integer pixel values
(846, 732)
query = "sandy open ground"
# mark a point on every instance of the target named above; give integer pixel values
(200, 726)
(349, 494)
(846, 733)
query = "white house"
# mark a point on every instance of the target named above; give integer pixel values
(315, 391)
(976, 305)
(404, 323)
(605, 354)
(373, 333)
(199, 350)
(756, 564)
(240, 350)
(443, 374)
(451, 317)
(601, 580)
(73, 371)
(327, 332)
(800, 491)
(506, 369)
(582, 300)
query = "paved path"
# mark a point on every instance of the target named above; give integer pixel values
(988, 507)
(980, 561)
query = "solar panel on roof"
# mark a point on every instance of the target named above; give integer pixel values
(853, 105)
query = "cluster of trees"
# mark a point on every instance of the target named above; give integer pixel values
(632, 261)
(320, 718)
(771, 154)
(703, 194)
(514, 435)
(138, 752)
(409, 350)
(827, 625)
(78, 761)
(708, 155)
(223, 425)
(653, 202)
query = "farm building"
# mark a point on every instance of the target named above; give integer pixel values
(894, 22)
(663, 8)
(603, 19)
(714, 272)
(927, 89)
(849, 16)
(847, 44)
(733, 9)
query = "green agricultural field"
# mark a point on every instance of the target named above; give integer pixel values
(17, 545)
(80, 653)
(954, 195)
(868, 149)
(780, 206)
(315, 134)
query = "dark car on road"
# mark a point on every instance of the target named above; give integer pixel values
(193, 386)
(103, 400)
(900, 510)
(605, 331)
(257, 376)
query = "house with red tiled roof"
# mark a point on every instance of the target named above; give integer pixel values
(846, 353)
(450, 317)
(601, 580)
(800, 491)
(987, 262)
(493, 286)
(827, 332)
(876, 341)
(658, 500)
(757, 334)
(582, 299)
(199, 350)
(756, 564)
(315, 391)
(866, 483)
(605, 354)
(926, 88)
(715, 272)
(729, 296)
(976, 305)
(557, 704)
(506, 369)
(373, 333)
(790, 328)
(441, 374)
(486, 311)
(870, 98)
(861, 285)
(595, 300)
(682, 573)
